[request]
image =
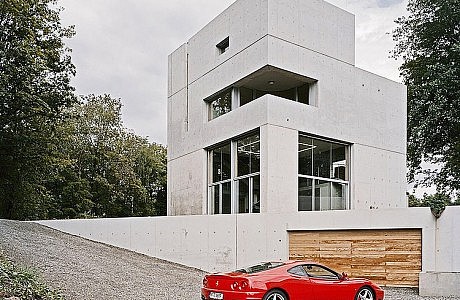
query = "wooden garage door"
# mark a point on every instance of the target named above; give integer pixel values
(387, 257)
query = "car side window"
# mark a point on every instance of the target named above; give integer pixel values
(298, 271)
(320, 272)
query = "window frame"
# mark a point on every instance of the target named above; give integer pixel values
(234, 178)
(330, 180)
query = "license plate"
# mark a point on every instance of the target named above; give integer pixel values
(214, 295)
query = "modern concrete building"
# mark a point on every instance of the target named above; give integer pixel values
(280, 148)
(267, 113)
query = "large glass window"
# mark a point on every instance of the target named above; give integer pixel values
(235, 188)
(220, 188)
(220, 104)
(323, 175)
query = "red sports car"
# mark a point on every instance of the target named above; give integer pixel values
(292, 280)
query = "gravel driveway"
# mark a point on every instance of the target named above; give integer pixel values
(82, 269)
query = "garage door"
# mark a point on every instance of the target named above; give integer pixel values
(387, 257)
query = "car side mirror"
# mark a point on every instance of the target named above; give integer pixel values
(344, 276)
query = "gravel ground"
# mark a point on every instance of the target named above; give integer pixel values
(83, 269)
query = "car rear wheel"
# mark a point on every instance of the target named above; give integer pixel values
(275, 295)
(365, 293)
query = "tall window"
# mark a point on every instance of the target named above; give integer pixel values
(234, 185)
(248, 179)
(323, 174)
(221, 180)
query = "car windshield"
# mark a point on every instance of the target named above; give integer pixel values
(260, 267)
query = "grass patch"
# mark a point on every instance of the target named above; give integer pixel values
(23, 283)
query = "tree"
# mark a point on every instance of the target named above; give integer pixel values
(35, 73)
(428, 41)
(103, 170)
(436, 202)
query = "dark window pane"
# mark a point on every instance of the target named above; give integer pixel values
(248, 155)
(256, 194)
(243, 195)
(216, 165)
(259, 94)
(226, 162)
(287, 94)
(226, 198)
(303, 94)
(221, 163)
(339, 163)
(246, 96)
(305, 194)
(305, 155)
(321, 159)
(215, 197)
(221, 104)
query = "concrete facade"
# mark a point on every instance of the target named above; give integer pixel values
(217, 243)
(310, 39)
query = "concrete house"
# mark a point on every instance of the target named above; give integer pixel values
(280, 148)
(267, 113)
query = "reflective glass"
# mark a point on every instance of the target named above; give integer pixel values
(248, 157)
(322, 195)
(226, 198)
(215, 196)
(243, 195)
(305, 155)
(221, 163)
(221, 104)
(321, 159)
(305, 194)
(256, 194)
(339, 196)
(339, 162)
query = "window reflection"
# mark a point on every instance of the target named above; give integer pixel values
(323, 175)
(220, 104)
(245, 153)
(248, 155)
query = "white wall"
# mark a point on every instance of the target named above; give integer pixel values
(444, 279)
(226, 242)
(310, 38)
(448, 240)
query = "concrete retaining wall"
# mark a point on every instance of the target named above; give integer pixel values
(226, 242)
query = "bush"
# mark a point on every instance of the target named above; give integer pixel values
(22, 283)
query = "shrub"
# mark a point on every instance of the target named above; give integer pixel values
(23, 283)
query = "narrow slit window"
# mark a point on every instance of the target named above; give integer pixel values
(223, 45)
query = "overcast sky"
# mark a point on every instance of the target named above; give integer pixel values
(121, 48)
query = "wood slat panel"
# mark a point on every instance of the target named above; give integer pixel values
(387, 257)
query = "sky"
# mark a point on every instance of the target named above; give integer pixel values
(121, 48)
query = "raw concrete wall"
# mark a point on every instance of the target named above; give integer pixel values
(444, 279)
(225, 242)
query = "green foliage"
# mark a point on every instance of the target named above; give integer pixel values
(35, 72)
(414, 201)
(428, 41)
(103, 170)
(61, 157)
(437, 202)
(23, 283)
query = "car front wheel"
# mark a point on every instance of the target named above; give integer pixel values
(275, 295)
(365, 293)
